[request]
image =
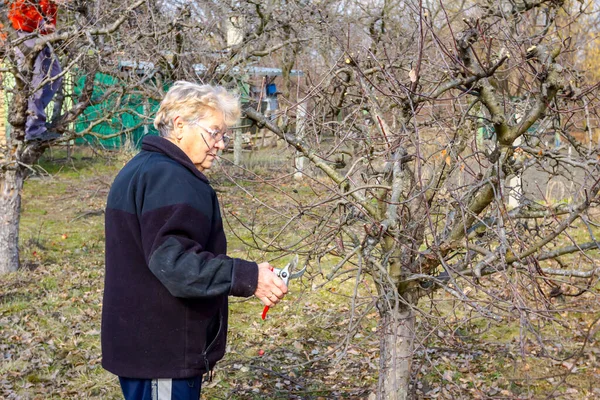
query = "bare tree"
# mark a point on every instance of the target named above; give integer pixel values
(80, 46)
(425, 122)
(143, 47)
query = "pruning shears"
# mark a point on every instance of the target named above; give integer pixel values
(286, 274)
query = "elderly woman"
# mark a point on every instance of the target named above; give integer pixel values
(168, 278)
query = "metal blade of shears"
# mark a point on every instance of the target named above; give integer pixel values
(285, 273)
(298, 274)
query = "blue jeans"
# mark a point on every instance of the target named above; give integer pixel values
(161, 389)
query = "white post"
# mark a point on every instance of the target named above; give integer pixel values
(146, 111)
(235, 35)
(300, 123)
(235, 32)
(237, 147)
(515, 184)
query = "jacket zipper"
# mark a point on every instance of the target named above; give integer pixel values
(209, 371)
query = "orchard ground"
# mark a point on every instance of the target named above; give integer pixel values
(50, 309)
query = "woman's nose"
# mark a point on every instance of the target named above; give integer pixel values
(220, 144)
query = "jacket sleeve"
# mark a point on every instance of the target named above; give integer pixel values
(176, 228)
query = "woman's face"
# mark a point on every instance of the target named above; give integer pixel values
(196, 139)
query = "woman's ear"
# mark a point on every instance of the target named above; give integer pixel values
(178, 124)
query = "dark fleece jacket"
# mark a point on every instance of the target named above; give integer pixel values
(167, 276)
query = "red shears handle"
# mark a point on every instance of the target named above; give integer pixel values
(266, 309)
(285, 275)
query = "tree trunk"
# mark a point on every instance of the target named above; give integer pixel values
(397, 343)
(11, 183)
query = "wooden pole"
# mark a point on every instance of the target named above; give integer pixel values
(300, 130)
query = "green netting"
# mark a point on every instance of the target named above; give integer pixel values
(121, 119)
(116, 119)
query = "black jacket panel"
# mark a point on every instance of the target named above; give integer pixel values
(167, 273)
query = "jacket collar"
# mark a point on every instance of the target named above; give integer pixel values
(159, 144)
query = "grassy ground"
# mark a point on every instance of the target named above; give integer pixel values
(50, 314)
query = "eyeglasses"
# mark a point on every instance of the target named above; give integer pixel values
(217, 135)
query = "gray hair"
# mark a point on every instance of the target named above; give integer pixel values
(194, 102)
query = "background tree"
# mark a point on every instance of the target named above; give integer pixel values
(83, 53)
(143, 47)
